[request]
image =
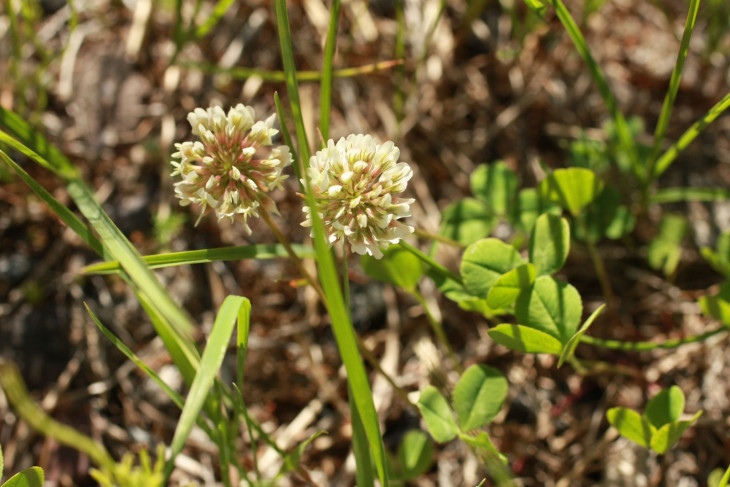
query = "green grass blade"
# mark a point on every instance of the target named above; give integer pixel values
(671, 95)
(203, 256)
(123, 251)
(675, 195)
(325, 92)
(622, 128)
(115, 242)
(171, 322)
(341, 324)
(243, 330)
(292, 87)
(690, 135)
(23, 132)
(232, 311)
(182, 351)
(176, 398)
(361, 450)
(219, 11)
(67, 216)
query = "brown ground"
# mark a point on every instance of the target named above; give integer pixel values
(490, 87)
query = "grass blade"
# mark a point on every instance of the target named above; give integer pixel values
(671, 95)
(341, 323)
(176, 398)
(67, 216)
(325, 93)
(292, 87)
(173, 325)
(21, 130)
(622, 128)
(232, 310)
(203, 256)
(219, 11)
(690, 135)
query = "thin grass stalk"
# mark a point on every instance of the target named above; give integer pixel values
(341, 324)
(292, 86)
(671, 96)
(690, 135)
(622, 128)
(325, 93)
(275, 76)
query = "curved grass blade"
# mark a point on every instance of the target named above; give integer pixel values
(21, 130)
(671, 95)
(232, 310)
(114, 241)
(622, 128)
(67, 216)
(176, 398)
(203, 256)
(690, 135)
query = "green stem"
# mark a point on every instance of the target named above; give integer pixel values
(600, 270)
(37, 418)
(431, 262)
(438, 238)
(293, 255)
(438, 329)
(643, 346)
(602, 275)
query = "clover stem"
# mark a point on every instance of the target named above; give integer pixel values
(643, 346)
(289, 250)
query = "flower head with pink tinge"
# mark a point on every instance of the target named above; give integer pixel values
(234, 165)
(354, 182)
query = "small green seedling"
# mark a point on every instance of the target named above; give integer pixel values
(659, 428)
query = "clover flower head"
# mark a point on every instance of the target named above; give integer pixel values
(233, 166)
(354, 182)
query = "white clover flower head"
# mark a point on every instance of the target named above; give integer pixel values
(354, 182)
(234, 165)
